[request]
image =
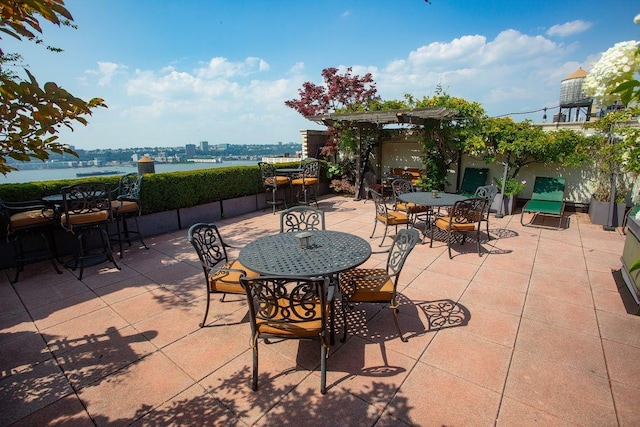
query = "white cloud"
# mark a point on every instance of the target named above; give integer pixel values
(106, 71)
(346, 14)
(569, 28)
(221, 67)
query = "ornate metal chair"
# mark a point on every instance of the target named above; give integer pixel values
(25, 220)
(87, 210)
(289, 308)
(465, 217)
(301, 218)
(487, 192)
(272, 182)
(413, 211)
(387, 217)
(221, 274)
(371, 182)
(308, 181)
(125, 205)
(366, 285)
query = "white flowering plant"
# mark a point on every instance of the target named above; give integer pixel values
(614, 77)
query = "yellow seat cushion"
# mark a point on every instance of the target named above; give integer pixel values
(84, 218)
(229, 281)
(366, 290)
(31, 218)
(122, 206)
(306, 181)
(301, 327)
(279, 180)
(394, 218)
(411, 207)
(443, 223)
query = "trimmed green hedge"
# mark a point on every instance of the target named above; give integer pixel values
(165, 191)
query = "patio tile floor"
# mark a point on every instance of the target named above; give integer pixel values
(540, 330)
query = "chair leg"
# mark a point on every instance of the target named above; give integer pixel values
(395, 319)
(254, 376)
(344, 319)
(206, 309)
(323, 369)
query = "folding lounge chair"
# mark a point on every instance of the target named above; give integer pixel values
(547, 199)
(472, 179)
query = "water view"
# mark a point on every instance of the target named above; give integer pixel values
(70, 173)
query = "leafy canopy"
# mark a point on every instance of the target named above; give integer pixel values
(31, 116)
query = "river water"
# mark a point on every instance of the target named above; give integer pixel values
(70, 173)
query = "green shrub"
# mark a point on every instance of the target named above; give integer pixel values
(165, 191)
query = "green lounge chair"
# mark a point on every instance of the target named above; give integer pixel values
(472, 179)
(547, 199)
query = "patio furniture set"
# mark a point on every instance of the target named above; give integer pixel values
(463, 212)
(291, 278)
(83, 210)
(304, 178)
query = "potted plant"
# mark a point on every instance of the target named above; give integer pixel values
(611, 82)
(512, 188)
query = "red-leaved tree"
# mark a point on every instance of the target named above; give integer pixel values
(340, 93)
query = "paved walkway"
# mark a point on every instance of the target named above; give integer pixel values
(540, 330)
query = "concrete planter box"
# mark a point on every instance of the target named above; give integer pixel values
(508, 205)
(630, 254)
(599, 212)
(209, 212)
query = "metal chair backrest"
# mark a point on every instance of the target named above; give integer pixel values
(129, 187)
(310, 168)
(401, 186)
(92, 199)
(208, 244)
(268, 173)
(467, 211)
(382, 212)
(487, 192)
(283, 302)
(403, 243)
(301, 218)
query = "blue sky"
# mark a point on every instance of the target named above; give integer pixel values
(177, 72)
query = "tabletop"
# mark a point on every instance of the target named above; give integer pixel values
(289, 171)
(425, 198)
(328, 252)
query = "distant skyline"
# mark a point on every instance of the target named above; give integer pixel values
(176, 73)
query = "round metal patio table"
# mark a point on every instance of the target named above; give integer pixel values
(328, 253)
(425, 198)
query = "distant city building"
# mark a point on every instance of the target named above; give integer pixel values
(134, 157)
(190, 149)
(204, 145)
(223, 146)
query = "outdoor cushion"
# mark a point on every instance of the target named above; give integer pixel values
(394, 218)
(121, 206)
(31, 218)
(443, 223)
(305, 181)
(295, 324)
(279, 180)
(84, 218)
(229, 281)
(411, 207)
(366, 290)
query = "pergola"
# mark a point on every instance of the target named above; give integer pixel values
(380, 119)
